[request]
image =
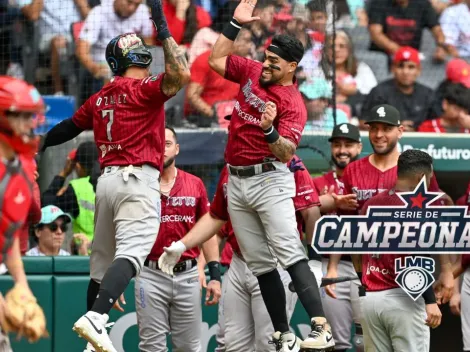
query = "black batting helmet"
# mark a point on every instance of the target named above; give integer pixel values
(127, 50)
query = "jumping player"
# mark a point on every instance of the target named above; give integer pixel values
(346, 147)
(266, 126)
(19, 103)
(127, 117)
(162, 309)
(395, 322)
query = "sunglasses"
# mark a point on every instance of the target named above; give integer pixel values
(54, 226)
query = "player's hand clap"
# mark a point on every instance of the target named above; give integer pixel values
(244, 12)
(346, 202)
(214, 290)
(434, 315)
(171, 257)
(117, 306)
(268, 116)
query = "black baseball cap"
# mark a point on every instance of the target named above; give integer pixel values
(384, 113)
(346, 130)
(87, 154)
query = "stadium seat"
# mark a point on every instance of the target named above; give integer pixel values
(377, 61)
(360, 37)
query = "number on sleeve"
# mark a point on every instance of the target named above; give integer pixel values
(109, 113)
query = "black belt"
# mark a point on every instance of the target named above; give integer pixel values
(179, 267)
(249, 171)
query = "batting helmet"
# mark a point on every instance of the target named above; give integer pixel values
(127, 50)
(17, 98)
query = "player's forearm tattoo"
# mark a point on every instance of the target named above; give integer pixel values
(176, 67)
(283, 149)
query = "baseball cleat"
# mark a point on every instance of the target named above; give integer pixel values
(92, 327)
(320, 338)
(286, 342)
(89, 348)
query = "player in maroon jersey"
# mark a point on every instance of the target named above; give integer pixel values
(266, 126)
(393, 321)
(128, 120)
(160, 308)
(19, 104)
(376, 173)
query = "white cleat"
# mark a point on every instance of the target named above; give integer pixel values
(286, 342)
(89, 348)
(92, 327)
(320, 338)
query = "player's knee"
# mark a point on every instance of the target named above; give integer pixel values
(358, 339)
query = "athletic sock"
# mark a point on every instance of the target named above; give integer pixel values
(274, 297)
(92, 292)
(307, 288)
(114, 283)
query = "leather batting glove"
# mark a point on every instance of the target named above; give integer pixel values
(316, 269)
(171, 257)
(295, 165)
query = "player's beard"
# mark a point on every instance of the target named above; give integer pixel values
(342, 164)
(267, 82)
(390, 147)
(168, 162)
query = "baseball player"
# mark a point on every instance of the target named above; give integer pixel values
(266, 127)
(376, 173)
(346, 147)
(246, 320)
(127, 117)
(394, 321)
(19, 103)
(167, 304)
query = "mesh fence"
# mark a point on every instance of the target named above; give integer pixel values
(357, 54)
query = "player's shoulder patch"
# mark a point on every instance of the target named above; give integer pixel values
(150, 79)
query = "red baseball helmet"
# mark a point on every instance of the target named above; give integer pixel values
(17, 96)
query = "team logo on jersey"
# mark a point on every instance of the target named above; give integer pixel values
(416, 227)
(415, 274)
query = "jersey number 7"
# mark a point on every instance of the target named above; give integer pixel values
(109, 113)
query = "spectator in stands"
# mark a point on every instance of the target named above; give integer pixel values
(354, 79)
(77, 198)
(411, 98)
(55, 30)
(207, 88)
(317, 95)
(104, 22)
(206, 37)
(455, 25)
(397, 23)
(50, 232)
(351, 13)
(456, 107)
(457, 71)
(262, 30)
(185, 19)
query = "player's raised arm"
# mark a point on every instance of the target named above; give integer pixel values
(223, 47)
(177, 72)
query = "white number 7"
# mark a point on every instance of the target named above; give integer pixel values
(109, 113)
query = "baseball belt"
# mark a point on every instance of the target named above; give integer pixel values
(179, 268)
(249, 171)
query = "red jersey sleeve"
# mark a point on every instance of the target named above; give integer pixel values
(237, 67)
(426, 126)
(319, 183)
(292, 121)
(203, 206)
(219, 203)
(83, 117)
(151, 89)
(200, 69)
(305, 194)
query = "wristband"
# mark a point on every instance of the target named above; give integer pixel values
(231, 29)
(271, 135)
(429, 296)
(214, 271)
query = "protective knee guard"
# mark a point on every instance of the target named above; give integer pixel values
(358, 339)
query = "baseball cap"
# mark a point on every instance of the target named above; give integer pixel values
(316, 89)
(458, 71)
(346, 130)
(51, 213)
(384, 113)
(86, 154)
(406, 53)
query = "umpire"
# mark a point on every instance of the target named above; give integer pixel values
(78, 197)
